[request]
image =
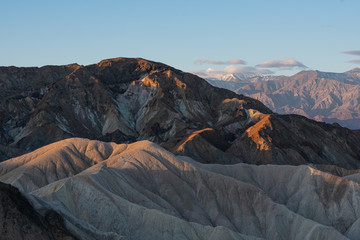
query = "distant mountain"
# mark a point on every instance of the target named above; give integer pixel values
(323, 96)
(141, 191)
(229, 81)
(354, 72)
(236, 81)
(334, 99)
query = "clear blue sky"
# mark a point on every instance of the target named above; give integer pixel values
(314, 33)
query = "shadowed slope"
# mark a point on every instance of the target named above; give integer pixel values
(20, 221)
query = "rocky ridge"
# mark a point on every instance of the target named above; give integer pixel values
(120, 100)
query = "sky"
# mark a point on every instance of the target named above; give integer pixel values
(208, 37)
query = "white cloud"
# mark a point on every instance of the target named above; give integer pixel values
(284, 63)
(356, 61)
(232, 69)
(214, 62)
(236, 61)
(352, 52)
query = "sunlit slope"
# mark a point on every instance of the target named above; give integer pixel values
(141, 189)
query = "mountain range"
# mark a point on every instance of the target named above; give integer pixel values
(323, 96)
(132, 149)
(127, 100)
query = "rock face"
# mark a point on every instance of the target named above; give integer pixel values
(20, 221)
(125, 100)
(323, 96)
(120, 100)
(128, 191)
(21, 89)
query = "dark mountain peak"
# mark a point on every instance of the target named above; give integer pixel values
(120, 100)
(132, 64)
